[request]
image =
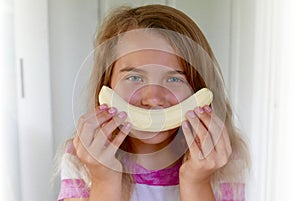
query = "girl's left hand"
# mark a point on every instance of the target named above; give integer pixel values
(209, 146)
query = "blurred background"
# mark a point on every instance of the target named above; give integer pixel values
(44, 42)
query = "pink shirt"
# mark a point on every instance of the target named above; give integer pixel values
(158, 185)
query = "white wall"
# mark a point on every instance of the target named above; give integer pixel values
(214, 19)
(105, 5)
(9, 146)
(72, 25)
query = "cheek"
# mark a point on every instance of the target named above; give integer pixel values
(134, 97)
(180, 94)
(173, 98)
(127, 93)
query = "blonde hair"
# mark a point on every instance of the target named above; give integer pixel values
(201, 71)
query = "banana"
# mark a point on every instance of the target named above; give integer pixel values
(159, 119)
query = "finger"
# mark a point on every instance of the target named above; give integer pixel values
(217, 128)
(97, 110)
(210, 121)
(216, 131)
(227, 140)
(98, 119)
(80, 149)
(119, 139)
(114, 123)
(189, 137)
(206, 143)
(90, 117)
(75, 141)
(106, 115)
(208, 110)
(221, 152)
(102, 138)
(227, 145)
(96, 147)
(194, 121)
(197, 125)
(99, 143)
(92, 122)
(84, 118)
(105, 153)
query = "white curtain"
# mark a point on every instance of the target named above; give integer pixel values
(276, 102)
(285, 164)
(9, 172)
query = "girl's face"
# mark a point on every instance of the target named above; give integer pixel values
(150, 79)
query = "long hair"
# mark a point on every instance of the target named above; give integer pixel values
(199, 64)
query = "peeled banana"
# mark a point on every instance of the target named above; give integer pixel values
(158, 119)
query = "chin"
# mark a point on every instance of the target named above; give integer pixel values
(152, 137)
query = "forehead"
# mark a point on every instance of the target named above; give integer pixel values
(138, 48)
(137, 40)
(149, 58)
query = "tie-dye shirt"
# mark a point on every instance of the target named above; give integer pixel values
(158, 185)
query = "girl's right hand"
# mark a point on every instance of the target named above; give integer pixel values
(96, 147)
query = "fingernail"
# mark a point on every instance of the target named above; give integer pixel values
(185, 124)
(103, 107)
(112, 110)
(199, 110)
(191, 114)
(127, 126)
(122, 115)
(207, 108)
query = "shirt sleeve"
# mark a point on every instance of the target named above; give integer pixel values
(72, 183)
(232, 192)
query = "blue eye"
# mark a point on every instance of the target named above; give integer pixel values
(174, 79)
(135, 78)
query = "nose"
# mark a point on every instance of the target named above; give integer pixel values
(153, 97)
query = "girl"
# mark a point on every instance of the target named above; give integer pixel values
(154, 57)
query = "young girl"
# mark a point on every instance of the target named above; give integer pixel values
(154, 57)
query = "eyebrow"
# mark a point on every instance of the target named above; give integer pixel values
(177, 72)
(128, 69)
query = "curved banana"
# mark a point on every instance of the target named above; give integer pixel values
(155, 120)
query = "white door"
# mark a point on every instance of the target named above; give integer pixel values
(34, 101)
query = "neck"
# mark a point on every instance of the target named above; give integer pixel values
(146, 147)
(154, 156)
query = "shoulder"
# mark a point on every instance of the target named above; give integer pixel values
(70, 165)
(230, 192)
(74, 181)
(73, 188)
